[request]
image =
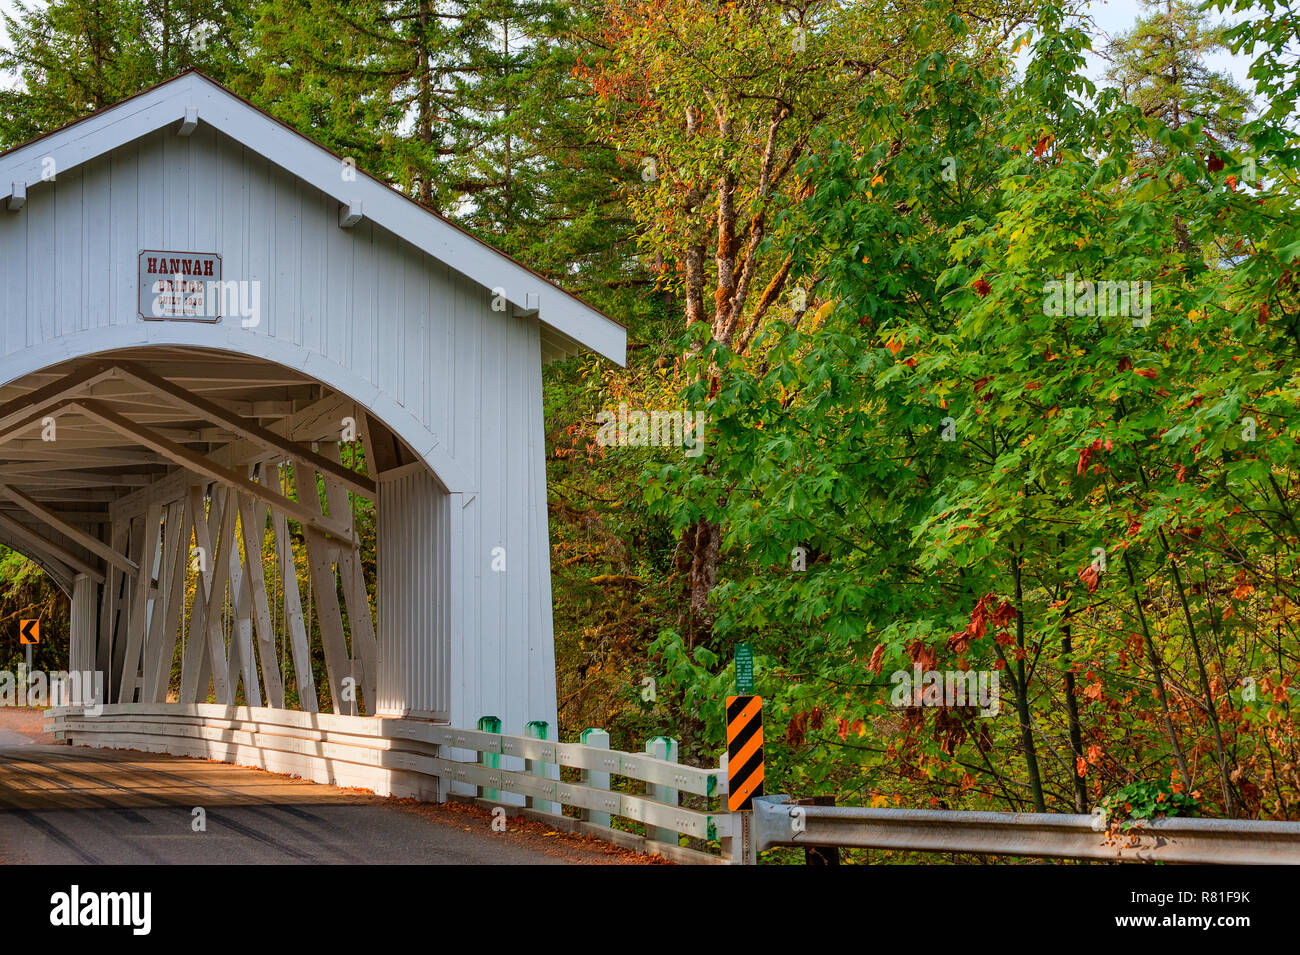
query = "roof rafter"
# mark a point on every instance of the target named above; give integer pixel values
(50, 518)
(249, 430)
(50, 549)
(202, 465)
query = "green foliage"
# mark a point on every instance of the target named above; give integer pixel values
(951, 450)
(1139, 801)
(27, 593)
(77, 56)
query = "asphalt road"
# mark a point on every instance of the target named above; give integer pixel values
(63, 804)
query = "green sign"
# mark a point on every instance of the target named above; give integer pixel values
(744, 668)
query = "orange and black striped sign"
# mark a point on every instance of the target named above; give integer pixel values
(744, 751)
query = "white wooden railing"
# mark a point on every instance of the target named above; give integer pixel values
(433, 761)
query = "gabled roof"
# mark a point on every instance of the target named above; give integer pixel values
(192, 97)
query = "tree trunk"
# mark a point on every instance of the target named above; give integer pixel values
(1072, 712)
(1158, 674)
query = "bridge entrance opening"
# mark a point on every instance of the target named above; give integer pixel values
(225, 529)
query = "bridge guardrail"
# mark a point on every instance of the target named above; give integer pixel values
(387, 755)
(779, 822)
(402, 757)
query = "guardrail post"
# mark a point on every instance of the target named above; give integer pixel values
(819, 855)
(490, 724)
(597, 739)
(733, 846)
(536, 729)
(662, 747)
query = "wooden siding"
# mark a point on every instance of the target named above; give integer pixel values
(404, 335)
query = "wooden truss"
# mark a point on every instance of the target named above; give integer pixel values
(190, 489)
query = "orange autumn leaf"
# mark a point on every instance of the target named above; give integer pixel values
(1090, 575)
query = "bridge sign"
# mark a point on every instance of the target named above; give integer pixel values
(180, 286)
(29, 632)
(744, 668)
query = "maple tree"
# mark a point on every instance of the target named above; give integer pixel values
(1097, 503)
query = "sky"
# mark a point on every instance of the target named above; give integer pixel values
(1110, 16)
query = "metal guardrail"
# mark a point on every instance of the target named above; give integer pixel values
(778, 822)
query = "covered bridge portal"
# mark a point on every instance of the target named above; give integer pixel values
(204, 316)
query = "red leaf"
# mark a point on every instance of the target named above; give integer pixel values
(1091, 576)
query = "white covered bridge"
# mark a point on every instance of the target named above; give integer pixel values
(215, 337)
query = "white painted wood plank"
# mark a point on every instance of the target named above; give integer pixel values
(300, 647)
(179, 524)
(253, 526)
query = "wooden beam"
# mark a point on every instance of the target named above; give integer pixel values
(230, 370)
(47, 453)
(78, 517)
(109, 605)
(304, 676)
(249, 430)
(161, 647)
(31, 406)
(319, 421)
(171, 488)
(325, 585)
(57, 551)
(198, 463)
(36, 553)
(79, 495)
(355, 598)
(252, 522)
(38, 510)
(54, 478)
(242, 658)
(25, 473)
(20, 423)
(194, 652)
(216, 599)
(147, 548)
